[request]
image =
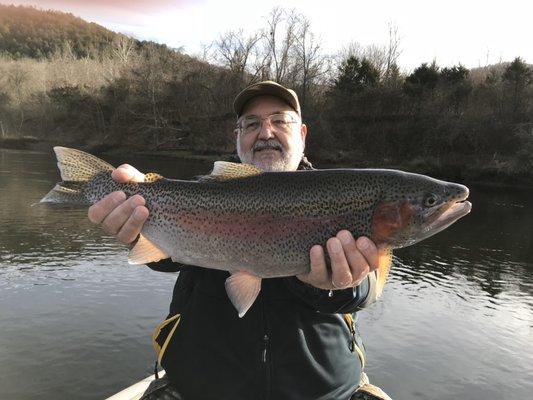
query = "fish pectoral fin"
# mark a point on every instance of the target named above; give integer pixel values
(145, 251)
(225, 170)
(243, 288)
(384, 265)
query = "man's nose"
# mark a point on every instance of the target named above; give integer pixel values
(266, 131)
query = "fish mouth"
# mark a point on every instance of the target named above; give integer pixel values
(448, 213)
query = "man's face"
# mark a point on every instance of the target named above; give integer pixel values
(271, 148)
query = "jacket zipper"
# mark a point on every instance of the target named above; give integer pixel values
(354, 348)
(264, 353)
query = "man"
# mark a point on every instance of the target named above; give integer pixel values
(294, 342)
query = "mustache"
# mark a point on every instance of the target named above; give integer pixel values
(267, 144)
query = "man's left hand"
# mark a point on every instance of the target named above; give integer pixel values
(351, 261)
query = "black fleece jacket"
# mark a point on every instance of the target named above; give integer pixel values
(293, 343)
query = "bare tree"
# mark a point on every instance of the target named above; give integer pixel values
(279, 42)
(123, 48)
(16, 80)
(393, 53)
(374, 54)
(234, 50)
(382, 57)
(309, 61)
(259, 68)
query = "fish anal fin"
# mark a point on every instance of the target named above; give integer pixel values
(225, 170)
(243, 288)
(145, 252)
(384, 266)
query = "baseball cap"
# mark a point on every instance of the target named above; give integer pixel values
(271, 88)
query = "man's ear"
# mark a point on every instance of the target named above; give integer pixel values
(303, 132)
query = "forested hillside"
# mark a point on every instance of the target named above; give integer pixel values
(70, 82)
(30, 32)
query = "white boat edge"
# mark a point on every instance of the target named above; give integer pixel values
(135, 391)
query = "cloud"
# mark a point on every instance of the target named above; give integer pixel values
(111, 10)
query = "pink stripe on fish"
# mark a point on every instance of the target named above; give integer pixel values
(257, 227)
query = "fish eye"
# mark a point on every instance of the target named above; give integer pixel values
(431, 200)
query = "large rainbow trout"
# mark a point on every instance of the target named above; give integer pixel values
(258, 224)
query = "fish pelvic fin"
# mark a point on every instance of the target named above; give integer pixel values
(243, 288)
(77, 165)
(384, 266)
(145, 252)
(225, 170)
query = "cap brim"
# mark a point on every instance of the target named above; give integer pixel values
(269, 89)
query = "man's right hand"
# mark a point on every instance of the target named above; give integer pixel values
(121, 216)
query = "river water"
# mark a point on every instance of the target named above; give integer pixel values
(455, 319)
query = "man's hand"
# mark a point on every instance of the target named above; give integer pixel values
(120, 216)
(351, 262)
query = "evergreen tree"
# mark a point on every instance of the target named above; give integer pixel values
(356, 75)
(423, 78)
(517, 77)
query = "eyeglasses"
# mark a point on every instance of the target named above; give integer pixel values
(278, 122)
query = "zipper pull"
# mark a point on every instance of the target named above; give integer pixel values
(353, 344)
(264, 353)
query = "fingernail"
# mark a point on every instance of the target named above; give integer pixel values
(119, 197)
(345, 237)
(316, 251)
(138, 214)
(335, 246)
(363, 243)
(138, 201)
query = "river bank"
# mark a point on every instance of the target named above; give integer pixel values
(498, 171)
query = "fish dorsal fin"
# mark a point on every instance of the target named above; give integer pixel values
(145, 252)
(225, 170)
(152, 177)
(77, 165)
(242, 288)
(384, 265)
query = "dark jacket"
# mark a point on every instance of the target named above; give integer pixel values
(294, 343)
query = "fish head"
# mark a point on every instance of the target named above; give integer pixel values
(414, 207)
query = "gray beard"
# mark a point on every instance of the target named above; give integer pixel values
(287, 162)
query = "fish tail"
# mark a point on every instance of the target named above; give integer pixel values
(77, 170)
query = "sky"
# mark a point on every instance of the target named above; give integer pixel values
(473, 33)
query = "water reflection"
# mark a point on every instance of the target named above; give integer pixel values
(456, 318)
